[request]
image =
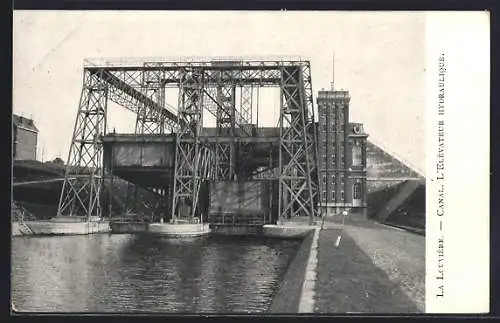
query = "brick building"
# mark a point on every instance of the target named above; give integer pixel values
(342, 155)
(24, 138)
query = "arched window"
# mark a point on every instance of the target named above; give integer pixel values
(357, 191)
(356, 155)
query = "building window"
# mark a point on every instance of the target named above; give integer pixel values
(356, 191)
(342, 195)
(333, 195)
(323, 195)
(356, 155)
(333, 179)
(324, 179)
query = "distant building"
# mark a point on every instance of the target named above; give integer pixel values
(342, 155)
(24, 137)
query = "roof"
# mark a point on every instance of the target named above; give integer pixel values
(24, 122)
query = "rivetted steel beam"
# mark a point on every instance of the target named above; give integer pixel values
(134, 93)
(131, 138)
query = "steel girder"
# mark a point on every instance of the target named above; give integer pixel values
(258, 73)
(82, 195)
(127, 89)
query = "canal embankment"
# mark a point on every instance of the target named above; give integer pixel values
(58, 227)
(288, 297)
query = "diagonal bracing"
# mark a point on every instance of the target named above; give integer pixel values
(187, 174)
(81, 196)
(297, 152)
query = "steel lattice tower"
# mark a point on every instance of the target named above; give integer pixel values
(83, 176)
(187, 156)
(297, 155)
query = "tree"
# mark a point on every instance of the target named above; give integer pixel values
(58, 161)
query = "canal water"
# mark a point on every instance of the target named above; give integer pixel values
(144, 273)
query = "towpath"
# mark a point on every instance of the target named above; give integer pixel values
(373, 269)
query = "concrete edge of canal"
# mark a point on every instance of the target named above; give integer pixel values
(306, 304)
(296, 291)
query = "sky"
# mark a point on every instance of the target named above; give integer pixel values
(379, 58)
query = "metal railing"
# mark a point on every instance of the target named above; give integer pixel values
(140, 61)
(237, 219)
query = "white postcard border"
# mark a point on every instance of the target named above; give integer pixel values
(457, 161)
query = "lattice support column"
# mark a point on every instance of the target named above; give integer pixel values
(296, 197)
(246, 99)
(187, 175)
(225, 125)
(82, 185)
(246, 107)
(151, 121)
(312, 133)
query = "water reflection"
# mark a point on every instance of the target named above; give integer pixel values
(144, 273)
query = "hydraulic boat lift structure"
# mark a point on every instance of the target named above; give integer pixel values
(226, 88)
